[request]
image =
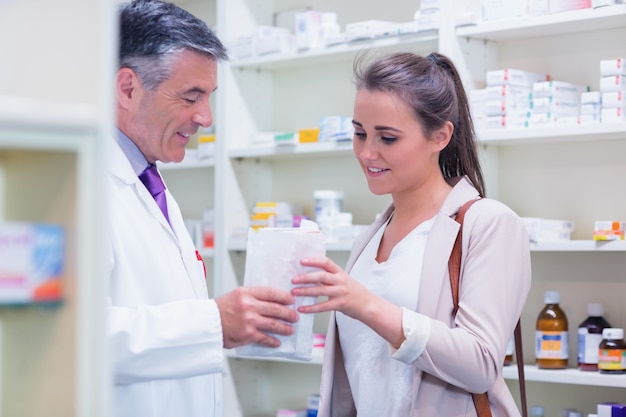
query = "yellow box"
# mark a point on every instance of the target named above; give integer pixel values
(308, 135)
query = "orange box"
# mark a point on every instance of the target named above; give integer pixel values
(308, 135)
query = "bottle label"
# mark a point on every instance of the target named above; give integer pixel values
(551, 345)
(588, 346)
(612, 359)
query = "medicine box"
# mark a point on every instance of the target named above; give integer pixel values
(591, 97)
(557, 6)
(609, 230)
(505, 91)
(613, 83)
(502, 9)
(31, 262)
(613, 99)
(369, 29)
(613, 67)
(611, 410)
(507, 121)
(548, 230)
(515, 77)
(308, 135)
(556, 106)
(308, 30)
(206, 145)
(561, 90)
(613, 115)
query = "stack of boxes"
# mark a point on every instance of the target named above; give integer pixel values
(613, 89)
(275, 214)
(515, 98)
(506, 98)
(555, 101)
(590, 107)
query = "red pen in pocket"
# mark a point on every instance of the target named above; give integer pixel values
(201, 260)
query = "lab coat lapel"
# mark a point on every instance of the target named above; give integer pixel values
(121, 168)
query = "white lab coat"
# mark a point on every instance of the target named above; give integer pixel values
(165, 334)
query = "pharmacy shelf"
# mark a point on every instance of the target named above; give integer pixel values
(566, 376)
(531, 372)
(580, 246)
(191, 161)
(275, 152)
(575, 21)
(421, 41)
(553, 134)
(239, 244)
(512, 136)
(19, 113)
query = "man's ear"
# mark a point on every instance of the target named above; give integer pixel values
(126, 88)
(442, 136)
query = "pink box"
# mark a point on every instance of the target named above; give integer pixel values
(556, 6)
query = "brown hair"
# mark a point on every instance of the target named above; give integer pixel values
(432, 87)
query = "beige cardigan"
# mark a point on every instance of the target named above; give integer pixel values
(463, 354)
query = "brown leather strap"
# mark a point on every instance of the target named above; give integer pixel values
(481, 402)
(519, 353)
(454, 263)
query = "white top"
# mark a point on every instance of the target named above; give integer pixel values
(380, 384)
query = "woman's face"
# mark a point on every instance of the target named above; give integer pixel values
(390, 145)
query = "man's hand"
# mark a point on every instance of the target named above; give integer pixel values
(250, 313)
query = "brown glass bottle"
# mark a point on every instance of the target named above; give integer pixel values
(551, 336)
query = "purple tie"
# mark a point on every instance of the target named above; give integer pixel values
(153, 182)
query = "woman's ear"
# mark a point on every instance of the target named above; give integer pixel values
(442, 136)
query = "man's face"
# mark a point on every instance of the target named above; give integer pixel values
(161, 121)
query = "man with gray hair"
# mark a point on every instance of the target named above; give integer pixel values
(167, 336)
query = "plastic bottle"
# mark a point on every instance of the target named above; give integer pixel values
(551, 336)
(590, 336)
(612, 351)
(537, 411)
(313, 403)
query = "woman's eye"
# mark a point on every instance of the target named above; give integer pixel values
(388, 139)
(360, 135)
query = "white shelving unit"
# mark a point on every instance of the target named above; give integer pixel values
(55, 114)
(568, 172)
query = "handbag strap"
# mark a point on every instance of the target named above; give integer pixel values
(481, 402)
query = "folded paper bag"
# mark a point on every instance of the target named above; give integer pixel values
(273, 257)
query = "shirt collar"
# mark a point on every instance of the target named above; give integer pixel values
(137, 160)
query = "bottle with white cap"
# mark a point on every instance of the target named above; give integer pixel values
(612, 351)
(551, 336)
(537, 411)
(590, 336)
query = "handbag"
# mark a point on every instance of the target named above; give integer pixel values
(481, 402)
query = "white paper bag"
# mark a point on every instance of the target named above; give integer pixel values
(272, 259)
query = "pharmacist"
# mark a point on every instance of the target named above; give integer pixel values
(167, 336)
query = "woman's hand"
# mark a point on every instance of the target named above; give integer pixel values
(344, 293)
(348, 296)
